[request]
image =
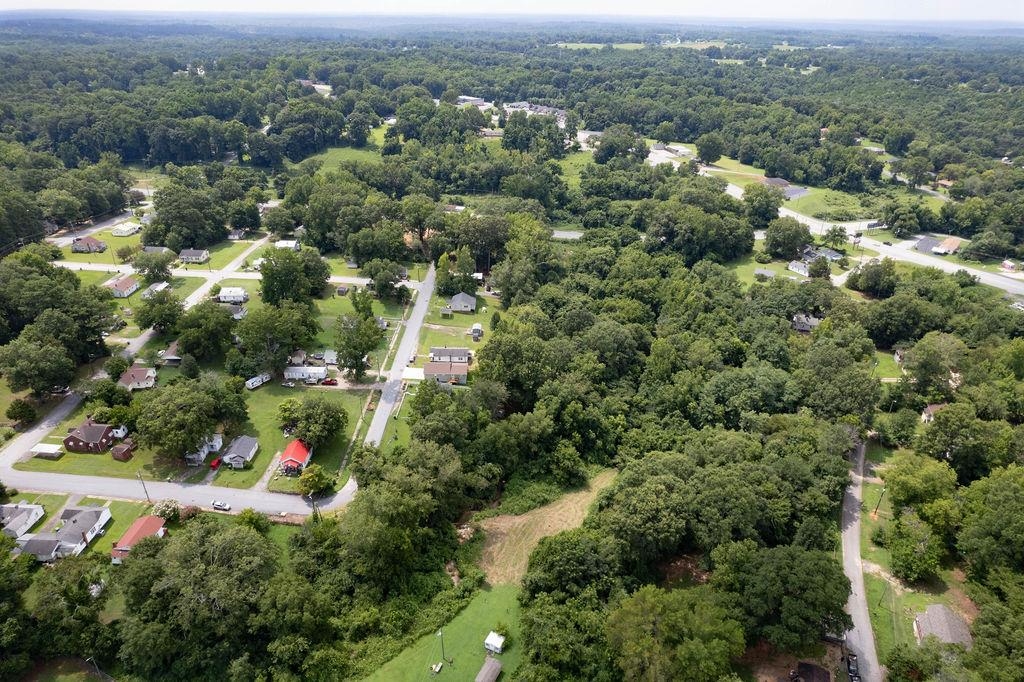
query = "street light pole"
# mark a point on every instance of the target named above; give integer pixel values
(139, 474)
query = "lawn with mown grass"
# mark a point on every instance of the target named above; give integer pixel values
(485, 308)
(97, 277)
(885, 365)
(122, 515)
(221, 254)
(734, 166)
(830, 204)
(738, 179)
(334, 156)
(398, 432)
(51, 502)
(263, 424)
(107, 257)
(463, 642)
(451, 337)
(153, 467)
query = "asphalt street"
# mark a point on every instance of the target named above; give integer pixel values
(860, 639)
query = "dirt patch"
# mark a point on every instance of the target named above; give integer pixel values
(767, 665)
(959, 600)
(510, 539)
(874, 569)
(685, 570)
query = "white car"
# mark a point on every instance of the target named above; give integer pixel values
(221, 506)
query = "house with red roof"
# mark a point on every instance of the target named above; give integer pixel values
(143, 527)
(137, 377)
(124, 287)
(296, 457)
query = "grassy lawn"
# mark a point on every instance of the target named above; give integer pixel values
(184, 286)
(485, 308)
(7, 396)
(734, 166)
(339, 267)
(573, 164)
(832, 204)
(885, 365)
(96, 277)
(463, 642)
(876, 453)
(397, 432)
(122, 514)
(696, 44)
(447, 336)
(113, 244)
(334, 156)
(870, 520)
(262, 422)
(738, 179)
(102, 464)
(52, 503)
(280, 534)
(220, 255)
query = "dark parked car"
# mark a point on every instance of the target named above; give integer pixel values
(887, 243)
(851, 665)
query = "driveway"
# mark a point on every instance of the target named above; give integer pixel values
(860, 639)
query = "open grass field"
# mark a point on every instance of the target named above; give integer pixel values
(734, 166)
(573, 164)
(431, 337)
(510, 539)
(96, 277)
(696, 44)
(885, 365)
(833, 205)
(334, 156)
(485, 308)
(738, 179)
(147, 178)
(597, 46)
(102, 464)
(113, 244)
(397, 432)
(463, 642)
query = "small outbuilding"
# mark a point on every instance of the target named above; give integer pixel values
(47, 451)
(489, 671)
(940, 621)
(494, 642)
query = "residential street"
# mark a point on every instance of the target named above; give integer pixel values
(408, 345)
(66, 239)
(860, 639)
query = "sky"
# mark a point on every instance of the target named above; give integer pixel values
(1008, 11)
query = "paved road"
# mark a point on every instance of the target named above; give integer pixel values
(408, 345)
(66, 238)
(860, 640)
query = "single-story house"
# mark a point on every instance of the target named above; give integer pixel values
(124, 286)
(79, 526)
(123, 451)
(237, 311)
(47, 450)
(762, 272)
(342, 290)
(940, 621)
(462, 303)
(170, 356)
(126, 229)
(494, 642)
(18, 518)
(194, 255)
(257, 264)
(136, 377)
(257, 381)
(235, 235)
(155, 289)
(297, 357)
(330, 357)
(944, 183)
(305, 373)
(926, 244)
(825, 252)
(142, 527)
(805, 323)
(147, 219)
(799, 267)
(489, 671)
(929, 412)
(447, 372)
(287, 244)
(947, 246)
(87, 245)
(156, 249)
(296, 457)
(90, 436)
(382, 323)
(240, 452)
(445, 354)
(213, 443)
(233, 295)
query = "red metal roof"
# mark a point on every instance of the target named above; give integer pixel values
(296, 454)
(143, 527)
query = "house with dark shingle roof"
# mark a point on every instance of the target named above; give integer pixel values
(194, 255)
(78, 528)
(938, 620)
(462, 303)
(18, 519)
(241, 451)
(87, 245)
(138, 377)
(90, 436)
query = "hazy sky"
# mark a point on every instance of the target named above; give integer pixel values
(1009, 11)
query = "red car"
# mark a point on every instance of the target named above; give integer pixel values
(215, 464)
(329, 382)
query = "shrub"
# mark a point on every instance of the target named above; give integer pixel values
(21, 411)
(190, 512)
(168, 510)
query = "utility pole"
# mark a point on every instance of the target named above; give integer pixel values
(880, 496)
(440, 633)
(139, 474)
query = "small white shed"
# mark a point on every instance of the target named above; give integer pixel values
(494, 642)
(47, 450)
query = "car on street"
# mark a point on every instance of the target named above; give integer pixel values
(318, 356)
(215, 464)
(288, 384)
(851, 665)
(330, 382)
(887, 243)
(412, 358)
(221, 506)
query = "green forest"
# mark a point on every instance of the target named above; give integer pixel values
(637, 348)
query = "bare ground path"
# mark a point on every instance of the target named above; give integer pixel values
(510, 539)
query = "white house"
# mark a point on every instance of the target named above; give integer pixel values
(446, 354)
(124, 287)
(463, 303)
(18, 519)
(136, 377)
(213, 444)
(287, 244)
(194, 256)
(799, 267)
(330, 357)
(155, 289)
(79, 526)
(126, 229)
(494, 642)
(305, 373)
(233, 295)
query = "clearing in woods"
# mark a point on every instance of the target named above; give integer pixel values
(510, 539)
